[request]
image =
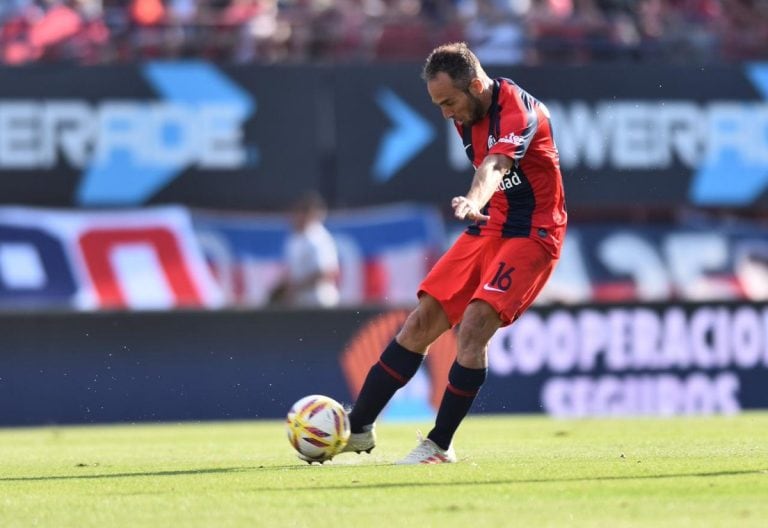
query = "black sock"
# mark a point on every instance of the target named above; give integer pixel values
(463, 385)
(395, 368)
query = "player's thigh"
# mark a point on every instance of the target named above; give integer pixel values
(513, 276)
(454, 278)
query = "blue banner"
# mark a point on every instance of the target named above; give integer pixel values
(206, 135)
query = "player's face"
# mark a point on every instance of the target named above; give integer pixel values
(463, 106)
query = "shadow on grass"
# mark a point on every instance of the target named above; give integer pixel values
(173, 473)
(381, 485)
(519, 481)
(127, 475)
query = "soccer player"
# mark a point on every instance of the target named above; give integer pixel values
(494, 270)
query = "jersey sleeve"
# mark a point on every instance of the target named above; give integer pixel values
(518, 123)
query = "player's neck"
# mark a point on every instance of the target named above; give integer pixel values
(486, 96)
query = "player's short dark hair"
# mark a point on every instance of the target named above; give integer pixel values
(454, 59)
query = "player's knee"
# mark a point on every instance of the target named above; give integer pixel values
(481, 317)
(423, 325)
(479, 324)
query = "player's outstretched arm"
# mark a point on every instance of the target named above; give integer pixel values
(485, 182)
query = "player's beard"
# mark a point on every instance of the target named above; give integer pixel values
(475, 109)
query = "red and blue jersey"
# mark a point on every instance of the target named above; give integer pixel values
(529, 201)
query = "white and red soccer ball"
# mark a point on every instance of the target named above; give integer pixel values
(317, 427)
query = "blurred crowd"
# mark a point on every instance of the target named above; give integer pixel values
(269, 31)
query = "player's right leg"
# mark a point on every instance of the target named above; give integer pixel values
(396, 366)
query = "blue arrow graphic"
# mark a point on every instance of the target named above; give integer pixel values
(758, 74)
(400, 144)
(727, 177)
(118, 177)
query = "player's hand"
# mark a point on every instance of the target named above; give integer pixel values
(463, 208)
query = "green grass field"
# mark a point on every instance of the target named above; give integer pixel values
(513, 471)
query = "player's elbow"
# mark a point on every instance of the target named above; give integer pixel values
(499, 163)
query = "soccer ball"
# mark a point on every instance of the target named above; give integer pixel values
(317, 427)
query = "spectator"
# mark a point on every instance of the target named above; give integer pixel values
(495, 31)
(268, 31)
(745, 29)
(147, 12)
(311, 259)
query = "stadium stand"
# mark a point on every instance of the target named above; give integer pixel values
(269, 31)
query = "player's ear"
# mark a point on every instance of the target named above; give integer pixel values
(476, 87)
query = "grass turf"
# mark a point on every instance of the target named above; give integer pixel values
(513, 471)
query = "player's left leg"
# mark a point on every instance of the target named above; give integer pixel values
(465, 378)
(468, 372)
